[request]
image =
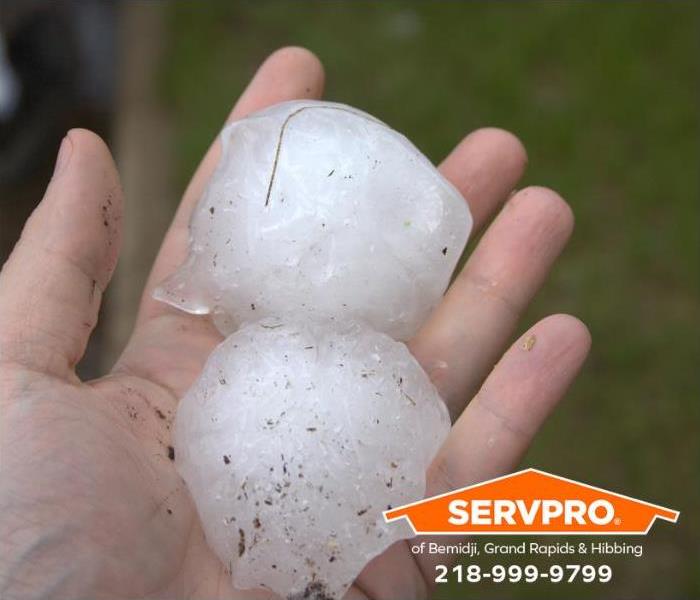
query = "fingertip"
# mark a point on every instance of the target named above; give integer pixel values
(576, 329)
(485, 167)
(509, 145)
(87, 139)
(302, 59)
(290, 73)
(90, 146)
(549, 207)
(571, 334)
(92, 161)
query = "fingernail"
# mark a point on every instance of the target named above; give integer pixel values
(64, 154)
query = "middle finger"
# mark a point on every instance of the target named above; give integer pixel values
(466, 334)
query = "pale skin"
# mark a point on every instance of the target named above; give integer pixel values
(90, 503)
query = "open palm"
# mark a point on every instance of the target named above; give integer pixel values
(90, 503)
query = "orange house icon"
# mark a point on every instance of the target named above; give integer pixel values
(531, 502)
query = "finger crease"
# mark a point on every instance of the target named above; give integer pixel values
(490, 288)
(506, 422)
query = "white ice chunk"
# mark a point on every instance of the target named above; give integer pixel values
(294, 440)
(319, 207)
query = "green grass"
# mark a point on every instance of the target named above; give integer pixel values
(605, 97)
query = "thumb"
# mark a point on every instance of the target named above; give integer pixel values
(51, 286)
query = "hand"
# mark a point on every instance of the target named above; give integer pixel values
(90, 504)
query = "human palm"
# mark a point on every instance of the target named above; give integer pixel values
(90, 503)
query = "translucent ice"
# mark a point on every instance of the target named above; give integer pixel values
(319, 207)
(294, 440)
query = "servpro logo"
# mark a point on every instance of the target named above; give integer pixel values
(531, 502)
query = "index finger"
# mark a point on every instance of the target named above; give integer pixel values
(288, 74)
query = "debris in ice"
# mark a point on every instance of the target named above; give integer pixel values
(295, 438)
(319, 207)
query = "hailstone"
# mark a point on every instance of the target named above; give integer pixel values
(317, 207)
(295, 438)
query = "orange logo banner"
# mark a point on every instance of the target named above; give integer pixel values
(531, 502)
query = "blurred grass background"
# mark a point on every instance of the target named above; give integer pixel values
(605, 98)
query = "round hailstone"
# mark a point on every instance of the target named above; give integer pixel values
(319, 207)
(294, 440)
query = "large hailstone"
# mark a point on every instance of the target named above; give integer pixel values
(294, 440)
(320, 207)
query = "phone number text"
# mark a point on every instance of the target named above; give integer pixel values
(528, 574)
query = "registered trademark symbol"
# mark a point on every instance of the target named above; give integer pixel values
(617, 520)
